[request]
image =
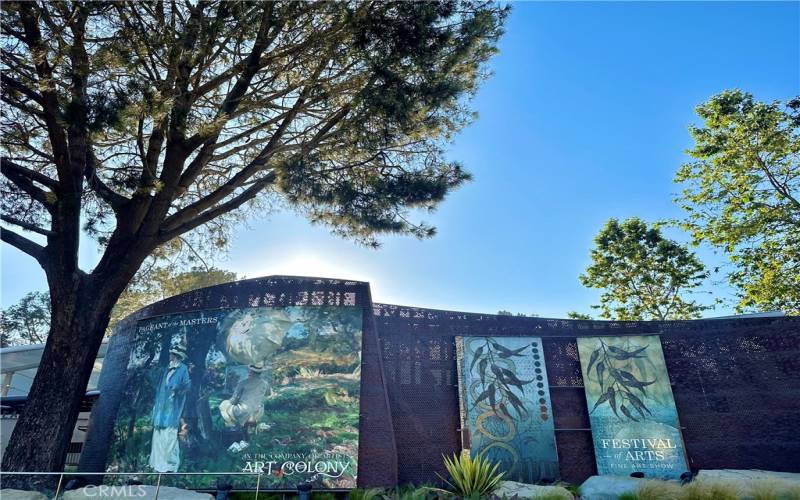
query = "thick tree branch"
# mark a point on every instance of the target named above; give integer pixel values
(22, 243)
(240, 177)
(22, 106)
(229, 104)
(21, 88)
(9, 166)
(230, 205)
(55, 131)
(25, 184)
(26, 225)
(114, 199)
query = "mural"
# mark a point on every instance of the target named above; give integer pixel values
(631, 408)
(505, 405)
(271, 390)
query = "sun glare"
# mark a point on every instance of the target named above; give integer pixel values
(307, 264)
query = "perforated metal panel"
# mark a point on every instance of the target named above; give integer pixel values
(736, 382)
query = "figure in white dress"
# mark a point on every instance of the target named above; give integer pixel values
(165, 453)
(246, 407)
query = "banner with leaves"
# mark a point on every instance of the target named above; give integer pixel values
(505, 405)
(631, 408)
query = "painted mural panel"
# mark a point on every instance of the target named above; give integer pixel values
(631, 408)
(274, 390)
(505, 405)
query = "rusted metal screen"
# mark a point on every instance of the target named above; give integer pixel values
(736, 384)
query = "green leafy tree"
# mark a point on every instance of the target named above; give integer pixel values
(27, 321)
(742, 194)
(157, 283)
(642, 274)
(577, 315)
(140, 123)
(503, 312)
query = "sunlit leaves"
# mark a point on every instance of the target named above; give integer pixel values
(27, 321)
(741, 194)
(643, 275)
(347, 108)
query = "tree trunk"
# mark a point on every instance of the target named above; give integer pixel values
(55, 396)
(197, 408)
(80, 310)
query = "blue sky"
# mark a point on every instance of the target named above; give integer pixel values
(585, 118)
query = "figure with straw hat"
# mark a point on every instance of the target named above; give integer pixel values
(246, 407)
(252, 337)
(165, 455)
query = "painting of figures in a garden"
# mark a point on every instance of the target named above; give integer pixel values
(269, 391)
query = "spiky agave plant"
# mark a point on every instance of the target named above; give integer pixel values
(472, 477)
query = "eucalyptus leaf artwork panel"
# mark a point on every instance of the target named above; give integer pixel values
(505, 405)
(631, 408)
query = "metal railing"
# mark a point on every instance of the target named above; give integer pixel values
(158, 481)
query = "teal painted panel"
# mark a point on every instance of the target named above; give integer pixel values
(631, 407)
(505, 405)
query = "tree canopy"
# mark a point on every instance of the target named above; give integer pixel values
(578, 315)
(181, 113)
(139, 123)
(642, 274)
(742, 194)
(27, 321)
(159, 282)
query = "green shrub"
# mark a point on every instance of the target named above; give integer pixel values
(560, 494)
(472, 476)
(411, 492)
(370, 494)
(791, 492)
(574, 489)
(405, 492)
(764, 490)
(709, 490)
(659, 490)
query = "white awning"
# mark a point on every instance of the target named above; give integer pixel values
(18, 365)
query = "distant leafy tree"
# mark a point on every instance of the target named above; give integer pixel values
(743, 194)
(503, 312)
(27, 321)
(642, 274)
(152, 285)
(577, 315)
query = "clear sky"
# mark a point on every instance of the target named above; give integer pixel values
(584, 119)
